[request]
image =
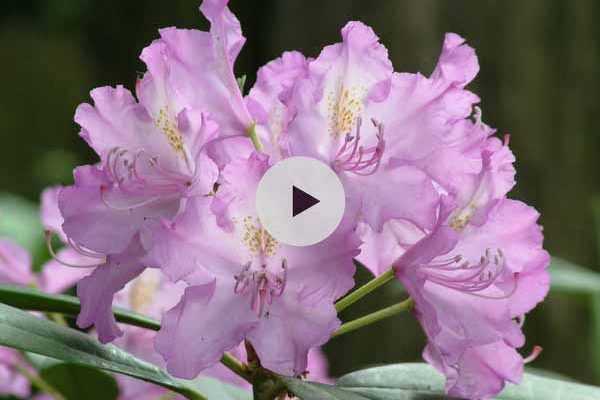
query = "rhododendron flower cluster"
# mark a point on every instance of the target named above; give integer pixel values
(426, 184)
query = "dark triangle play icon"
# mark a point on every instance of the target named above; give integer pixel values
(301, 201)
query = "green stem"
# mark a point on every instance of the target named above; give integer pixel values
(374, 317)
(364, 290)
(38, 382)
(254, 137)
(236, 366)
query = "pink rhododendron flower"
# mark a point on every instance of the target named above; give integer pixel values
(346, 112)
(149, 163)
(436, 135)
(474, 276)
(243, 284)
(154, 153)
(482, 266)
(470, 287)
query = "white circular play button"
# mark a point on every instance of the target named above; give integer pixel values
(300, 201)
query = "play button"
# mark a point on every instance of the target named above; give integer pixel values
(300, 201)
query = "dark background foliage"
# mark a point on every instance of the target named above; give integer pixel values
(538, 81)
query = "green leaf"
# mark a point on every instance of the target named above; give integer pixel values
(35, 300)
(317, 391)
(24, 331)
(571, 278)
(417, 381)
(76, 382)
(215, 389)
(40, 362)
(20, 220)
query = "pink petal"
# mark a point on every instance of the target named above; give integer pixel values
(56, 277)
(97, 290)
(15, 264)
(90, 221)
(208, 320)
(292, 328)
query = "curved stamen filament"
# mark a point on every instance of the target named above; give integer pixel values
(454, 273)
(48, 235)
(501, 296)
(351, 155)
(537, 350)
(85, 252)
(142, 203)
(125, 170)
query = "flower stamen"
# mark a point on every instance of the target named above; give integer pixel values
(101, 259)
(262, 284)
(125, 170)
(351, 155)
(455, 273)
(537, 350)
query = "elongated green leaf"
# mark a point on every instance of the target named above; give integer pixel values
(318, 391)
(419, 381)
(76, 382)
(210, 387)
(41, 362)
(35, 300)
(571, 278)
(91, 383)
(215, 389)
(23, 331)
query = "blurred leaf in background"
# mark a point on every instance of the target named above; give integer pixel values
(20, 221)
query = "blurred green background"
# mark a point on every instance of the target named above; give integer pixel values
(539, 81)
